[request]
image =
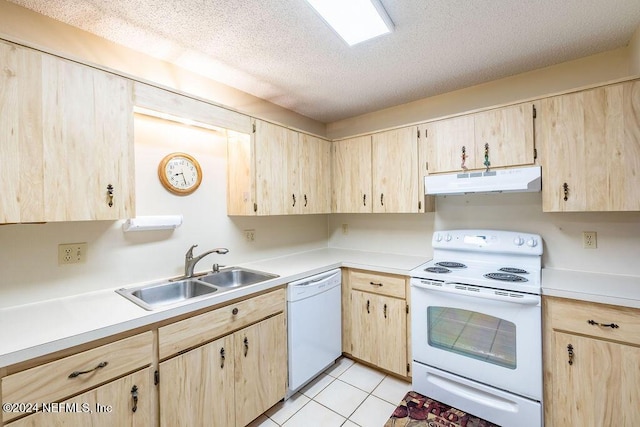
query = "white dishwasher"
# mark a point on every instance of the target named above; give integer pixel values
(314, 326)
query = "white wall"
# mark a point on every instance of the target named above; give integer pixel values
(618, 237)
(28, 253)
(405, 234)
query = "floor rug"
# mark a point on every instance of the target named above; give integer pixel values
(416, 410)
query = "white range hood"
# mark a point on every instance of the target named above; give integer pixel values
(503, 180)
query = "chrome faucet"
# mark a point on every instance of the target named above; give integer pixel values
(190, 261)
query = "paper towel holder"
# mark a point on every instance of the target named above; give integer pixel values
(155, 222)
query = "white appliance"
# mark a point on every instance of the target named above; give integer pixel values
(314, 326)
(476, 325)
(502, 180)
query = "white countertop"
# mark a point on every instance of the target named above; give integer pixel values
(595, 287)
(37, 329)
(34, 330)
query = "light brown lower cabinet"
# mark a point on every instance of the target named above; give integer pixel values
(125, 402)
(97, 386)
(592, 364)
(375, 320)
(225, 367)
(230, 381)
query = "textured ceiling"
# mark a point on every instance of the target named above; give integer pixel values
(281, 51)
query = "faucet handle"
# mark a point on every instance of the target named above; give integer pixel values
(189, 254)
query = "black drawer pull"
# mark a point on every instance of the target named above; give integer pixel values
(604, 325)
(375, 284)
(78, 373)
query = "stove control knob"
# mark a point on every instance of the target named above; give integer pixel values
(438, 237)
(532, 243)
(518, 241)
(448, 237)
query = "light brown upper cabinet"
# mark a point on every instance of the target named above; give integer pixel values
(495, 138)
(21, 145)
(378, 173)
(67, 140)
(277, 171)
(352, 175)
(590, 149)
(313, 163)
(394, 168)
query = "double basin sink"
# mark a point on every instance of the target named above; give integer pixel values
(175, 292)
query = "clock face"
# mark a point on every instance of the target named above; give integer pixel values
(180, 173)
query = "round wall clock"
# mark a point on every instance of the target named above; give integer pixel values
(180, 173)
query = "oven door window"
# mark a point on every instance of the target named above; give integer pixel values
(472, 334)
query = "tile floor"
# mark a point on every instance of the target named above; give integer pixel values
(346, 394)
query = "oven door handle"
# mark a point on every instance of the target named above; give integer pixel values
(520, 299)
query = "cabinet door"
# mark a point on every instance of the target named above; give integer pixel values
(599, 387)
(428, 202)
(395, 170)
(241, 174)
(314, 166)
(352, 175)
(21, 174)
(446, 141)
(379, 331)
(273, 178)
(124, 402)
(197, 387)
(260, 353)
(590, 149)
(88, 143)
(363, 326)
(505, 136)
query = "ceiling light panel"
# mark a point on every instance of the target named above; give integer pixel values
(354, 20)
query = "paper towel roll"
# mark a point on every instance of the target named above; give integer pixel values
(156, 222)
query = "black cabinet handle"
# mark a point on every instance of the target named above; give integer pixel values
(246, 346)
(368, 303)
(565, 189)
(294, 199)
(375, 284)
(78, 373)
(384, 311)
(364, 200)
(570, 351)
(305, 200)
(222, 358)
(134, 396)
(604, 325)
(110, 195)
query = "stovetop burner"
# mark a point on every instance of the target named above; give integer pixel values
(513, 270)
(437, 270)
(505, 277)
(451, 264)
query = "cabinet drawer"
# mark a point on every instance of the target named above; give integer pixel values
(200, 329)
(575, 316)
(53, 382)
(378, 283)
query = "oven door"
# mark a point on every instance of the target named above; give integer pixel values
(490, 336)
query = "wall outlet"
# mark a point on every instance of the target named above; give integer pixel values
(345, 229)
(589, 240)
(249, 235)
(72, 253)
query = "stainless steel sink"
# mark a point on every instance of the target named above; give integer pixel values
(162, 294)
(168, 293)
(233, 277)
